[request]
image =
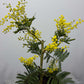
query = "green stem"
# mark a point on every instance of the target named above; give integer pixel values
(42, 54)
(60, 66)
(41, 60)
(34, 35)
(59, 71)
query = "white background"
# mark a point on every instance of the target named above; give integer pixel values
(45, 12)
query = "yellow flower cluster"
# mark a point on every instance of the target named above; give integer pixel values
(38, 34)
(64, 48)
(54, 38)
(16, 14)
(29, 37)
(52, 46)
(28, 61)
(53, 68)
(61, 24)
(64, 26)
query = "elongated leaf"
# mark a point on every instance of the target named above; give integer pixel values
(20, 81)
(64, 56)
(55, 81)
(47, 57)
(61, 55)
(20, 76)
(48, 82)
(26, 73)
(62, 75)
(52, 82)
(58, 52)
(67, 80)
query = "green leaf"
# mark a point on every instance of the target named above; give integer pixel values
(34, 47)
(48, 82)
(26, 73)
(19, 81)
(61, 33)
(58, 52)
(20, 76)
(54, 81)
(63, 56)
(47, 57)
(62, 75)
(67, 80)
(66, 40)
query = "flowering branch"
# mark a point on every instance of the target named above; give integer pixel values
(54, 53)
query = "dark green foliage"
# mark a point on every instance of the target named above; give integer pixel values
(63, 37)
(24, 24)
(66, 40)
(67, 80)
(31, 76)
(62, 75)
(47, 57)
(60, 78)
(34, 48)
(58, 54)
(61, 33)
(49, 80)
(20, 27)
(61, 55)
(28, 21)
(33, 30)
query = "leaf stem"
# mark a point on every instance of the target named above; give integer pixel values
(34, 35)
(42, 54)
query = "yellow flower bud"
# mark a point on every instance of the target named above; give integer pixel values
(55, 20)
(11, 21)
(77, 22)
(82, 20)
(64, 20)
(62, 47)
(17, 6)
(68, 31)
(10, 9)
(79, 19)
(6, 16)
(56, 24)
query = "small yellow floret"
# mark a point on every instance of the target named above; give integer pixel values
(79, 19)
(28, 61)
(55, 20)
(22, 59)
(82, 20)
(77, 22)
(6, 16)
